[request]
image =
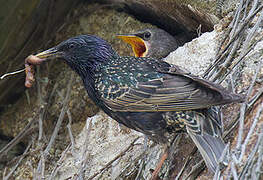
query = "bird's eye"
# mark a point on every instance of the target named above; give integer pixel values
(71, 46)
(147, 35)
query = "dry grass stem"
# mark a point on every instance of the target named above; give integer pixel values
(41, 164)
(12, 73)
(18, 162)
(58, 164)
(108, 165)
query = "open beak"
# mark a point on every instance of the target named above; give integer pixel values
(49, 54)
(137, 43)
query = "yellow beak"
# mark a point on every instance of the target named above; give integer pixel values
(50, 53)
(138, 45)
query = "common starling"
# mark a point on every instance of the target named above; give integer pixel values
(151, 42)
(141, 93)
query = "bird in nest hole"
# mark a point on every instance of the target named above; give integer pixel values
(151, 42)
(146, 94)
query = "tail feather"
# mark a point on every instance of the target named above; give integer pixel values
(210, 147)
(205, 129)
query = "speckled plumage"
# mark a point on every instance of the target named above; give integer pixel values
(142, 93)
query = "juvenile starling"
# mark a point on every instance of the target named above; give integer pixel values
(154, 42)
(141, 92)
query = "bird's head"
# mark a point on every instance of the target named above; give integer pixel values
(153, 42)
(82, 53)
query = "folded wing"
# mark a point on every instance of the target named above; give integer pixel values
(172, 92)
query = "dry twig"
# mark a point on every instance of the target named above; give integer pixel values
(12, 73)
(58, 164)
(108, 165)
(18, 162)
(236, 32)
(41, 163)
(226, 58)
(70, 132)
(20, 135)
(252, 154)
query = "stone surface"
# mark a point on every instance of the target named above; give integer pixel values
(105, 140)
(196, 55)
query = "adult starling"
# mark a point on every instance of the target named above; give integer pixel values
(141, 93)
(151, 42)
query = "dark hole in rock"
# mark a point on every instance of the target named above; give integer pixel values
(17, 150)
(180, 20)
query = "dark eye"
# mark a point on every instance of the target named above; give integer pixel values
(147, 35)
(71, 45)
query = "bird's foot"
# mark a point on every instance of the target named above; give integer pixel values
(159, 165)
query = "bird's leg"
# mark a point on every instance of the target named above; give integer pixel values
(169, 148)
(145, 143)
(159, 165)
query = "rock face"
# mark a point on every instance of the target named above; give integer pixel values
(196, 55)
(99, 148)
(99, 143)
(24, 27)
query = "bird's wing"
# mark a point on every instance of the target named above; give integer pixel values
(172, 92)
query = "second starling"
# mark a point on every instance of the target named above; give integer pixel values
(151, 42)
